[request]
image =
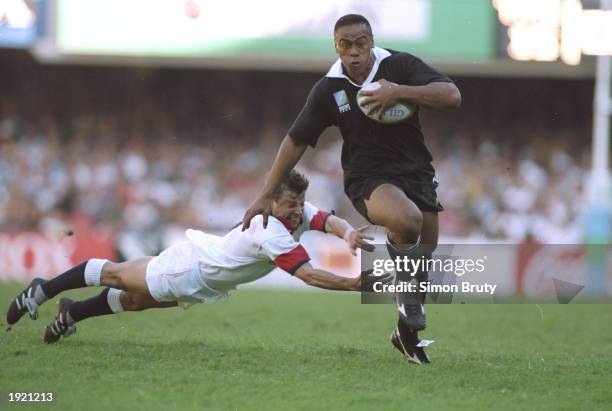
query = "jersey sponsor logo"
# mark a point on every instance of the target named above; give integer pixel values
(342, 101)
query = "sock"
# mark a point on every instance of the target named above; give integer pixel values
(40, 296)
(409, 336)
(402, 248)
(105, 303)
(83, 275)
(114, 300)
(401, 251)
(411, 251)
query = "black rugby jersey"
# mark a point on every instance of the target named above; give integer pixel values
(370, 148)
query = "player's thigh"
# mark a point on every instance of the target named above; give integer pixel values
(133, 301)
(389, 206)
(128, 276)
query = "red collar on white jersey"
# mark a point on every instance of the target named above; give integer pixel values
(287, 224)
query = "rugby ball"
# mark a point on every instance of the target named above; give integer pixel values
(394, 114)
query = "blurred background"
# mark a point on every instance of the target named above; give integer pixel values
(124, 122)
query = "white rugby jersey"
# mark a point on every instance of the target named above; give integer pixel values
(244, 256)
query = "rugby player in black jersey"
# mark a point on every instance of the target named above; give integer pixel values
(387, 168)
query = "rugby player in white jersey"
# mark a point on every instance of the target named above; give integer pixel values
(203, 269)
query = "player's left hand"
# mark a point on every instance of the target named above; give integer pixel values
(263, 206)
(357, 239)
(382, 98)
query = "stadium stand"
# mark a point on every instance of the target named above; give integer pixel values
(147, 151)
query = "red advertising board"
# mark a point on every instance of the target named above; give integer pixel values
(25, 255)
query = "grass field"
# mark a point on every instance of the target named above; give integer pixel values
(263, 350)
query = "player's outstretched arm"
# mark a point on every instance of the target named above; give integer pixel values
(287, 157)
(324, 279)
(355, 238)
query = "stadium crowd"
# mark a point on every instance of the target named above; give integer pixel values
(145, 151)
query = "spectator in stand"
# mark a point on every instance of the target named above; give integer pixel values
(144, 159)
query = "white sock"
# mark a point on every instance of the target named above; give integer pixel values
(93, 271)
(114, 300)
(404, 248)
(40, 296)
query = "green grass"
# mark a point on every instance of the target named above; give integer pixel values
(300, 350)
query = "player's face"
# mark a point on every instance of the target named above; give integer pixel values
(354, 46)
(290, 207)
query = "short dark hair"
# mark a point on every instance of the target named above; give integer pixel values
(349, 19)
(294, 182)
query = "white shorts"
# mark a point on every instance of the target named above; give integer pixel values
(174, 276)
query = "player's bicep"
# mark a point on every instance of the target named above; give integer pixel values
(292, 260)
(286, 253)
(315, 218)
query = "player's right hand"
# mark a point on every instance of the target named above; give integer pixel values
(382, 98)
(263, 206)
(368, 278)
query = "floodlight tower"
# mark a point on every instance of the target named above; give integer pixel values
(599, 219)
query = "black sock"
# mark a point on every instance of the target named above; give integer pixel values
(417, 251)
(92, 307)
(71, 279)
(402, 251)
(409, 336)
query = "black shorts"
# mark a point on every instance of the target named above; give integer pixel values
(420, 187)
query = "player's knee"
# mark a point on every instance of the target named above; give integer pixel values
(132, 302)
(111, 276)
(408, 224)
